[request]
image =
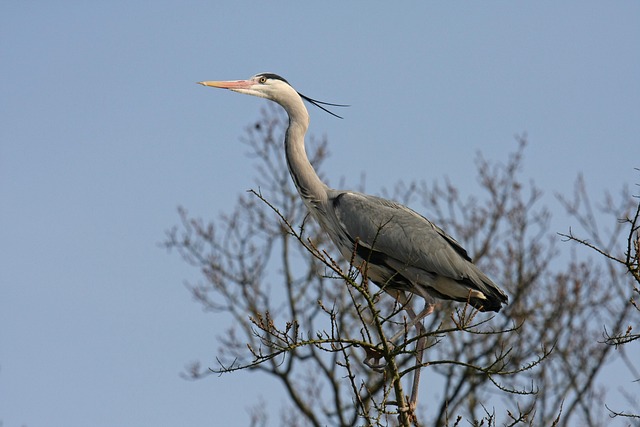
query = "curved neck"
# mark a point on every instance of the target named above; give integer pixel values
(311, 188)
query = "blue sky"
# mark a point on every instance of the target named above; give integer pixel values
(103, 133)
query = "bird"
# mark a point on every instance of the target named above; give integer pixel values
(403, 249)
(405, 254)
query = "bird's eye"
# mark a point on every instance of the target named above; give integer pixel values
(262, 79)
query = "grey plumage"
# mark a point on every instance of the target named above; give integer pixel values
(407, 252)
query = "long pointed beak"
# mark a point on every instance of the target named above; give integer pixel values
(235, 84)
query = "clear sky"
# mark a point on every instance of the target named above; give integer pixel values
(103, 133)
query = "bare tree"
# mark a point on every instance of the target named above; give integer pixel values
(310, 320)
(619, 247)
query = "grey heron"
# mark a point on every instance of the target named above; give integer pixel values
(404, 252)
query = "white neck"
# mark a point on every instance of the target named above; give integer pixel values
(305, 178)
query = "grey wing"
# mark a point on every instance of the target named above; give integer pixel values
(410, 250)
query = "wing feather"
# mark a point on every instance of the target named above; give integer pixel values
(413, 246)
(400, 233)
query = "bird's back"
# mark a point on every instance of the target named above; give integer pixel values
(406, 251)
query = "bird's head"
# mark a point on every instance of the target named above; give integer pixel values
(265, 85)
(273, 87)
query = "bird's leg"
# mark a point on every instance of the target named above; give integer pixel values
(373, 356)
(414, 319)
(420, 346)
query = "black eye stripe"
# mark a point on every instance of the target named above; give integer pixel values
(272, 76)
